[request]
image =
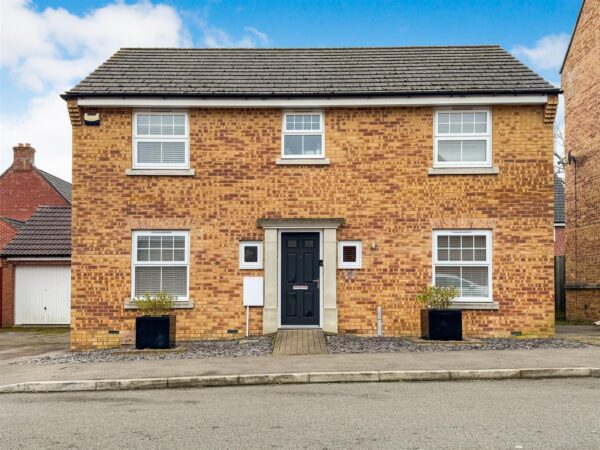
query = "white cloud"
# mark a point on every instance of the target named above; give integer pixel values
(547, 53)
(217, 38)
(46, 127)
(48, 52)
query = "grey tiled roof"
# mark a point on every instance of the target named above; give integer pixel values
(63, 187)
(16, 224)
(46, 233)
(559, 200)
(311, 72)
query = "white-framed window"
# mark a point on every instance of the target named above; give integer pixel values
(463, 138)
(161, 263)
(251, 255)
(161, 140)
(463, 258)
(350, 254)
(303, 135)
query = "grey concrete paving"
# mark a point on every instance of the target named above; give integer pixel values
(588, 334)
(496, 359)
(541, 414)
(17, 343)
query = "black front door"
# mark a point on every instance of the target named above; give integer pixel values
(300, 279)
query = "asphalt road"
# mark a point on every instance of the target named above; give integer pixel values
(542, 414)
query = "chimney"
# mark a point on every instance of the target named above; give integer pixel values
(24, 156)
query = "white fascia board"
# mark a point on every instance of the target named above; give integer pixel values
(190, 102)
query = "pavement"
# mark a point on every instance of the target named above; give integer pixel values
(306, 367)
(533, 414)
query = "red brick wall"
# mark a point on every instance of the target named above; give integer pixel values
(560, 241)
(23, 191)
(6, 233)
(581, 84)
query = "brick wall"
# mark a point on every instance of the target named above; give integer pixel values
(23, 189)
(560, 241)
(7, 232)
(581, 84)
(377, 181)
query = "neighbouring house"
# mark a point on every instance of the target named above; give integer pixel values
(23, 188)
(339, 179)
(36, 270)
(559, 246)
(580, 79)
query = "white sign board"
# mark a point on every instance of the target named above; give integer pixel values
(253, 291)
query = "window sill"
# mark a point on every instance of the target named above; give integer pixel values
(161, 172)
(302, 162)
(475, 305)
(463, 171)
(129, 305)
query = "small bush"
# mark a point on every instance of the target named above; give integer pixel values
(437, 297)
(155, 305)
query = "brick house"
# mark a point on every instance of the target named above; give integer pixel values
(560, 242)
(23, 188)
(580, 79)
(340, 179)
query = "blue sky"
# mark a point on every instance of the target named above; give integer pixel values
(47, 46)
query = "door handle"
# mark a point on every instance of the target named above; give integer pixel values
(318, 283)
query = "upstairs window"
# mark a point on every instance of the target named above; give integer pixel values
(160, 263)
(160, 140)
(463, 259)
(463, 138)
(303, 135)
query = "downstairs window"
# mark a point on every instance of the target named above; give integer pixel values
(160, 263)
(463, 259)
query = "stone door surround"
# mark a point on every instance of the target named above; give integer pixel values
(272, 228)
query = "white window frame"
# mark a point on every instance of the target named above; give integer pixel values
(488, 262)
(251, 265)
(160, 138)
(463, 137)
(350, 265)
(135, 263)
(320, 132)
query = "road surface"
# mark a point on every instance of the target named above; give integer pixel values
(535, 414)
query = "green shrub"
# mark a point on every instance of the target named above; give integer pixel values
(437, 297)
(155, 305)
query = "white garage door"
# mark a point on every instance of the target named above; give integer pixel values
(42, 295)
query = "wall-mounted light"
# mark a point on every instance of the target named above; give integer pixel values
(571, 158)
(91, 119)
(373, 245)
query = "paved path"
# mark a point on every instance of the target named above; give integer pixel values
(299, 342)
(541, 414)
(484, 359)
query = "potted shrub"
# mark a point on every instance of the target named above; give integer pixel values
(437, 321)
(156, 327)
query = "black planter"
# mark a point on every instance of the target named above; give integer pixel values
(441, 324)
(155, 332)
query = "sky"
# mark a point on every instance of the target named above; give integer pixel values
(47, 46)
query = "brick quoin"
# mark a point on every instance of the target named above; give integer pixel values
(581, 84)
(377, 181)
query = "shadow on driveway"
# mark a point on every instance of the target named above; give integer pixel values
(16, 343)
